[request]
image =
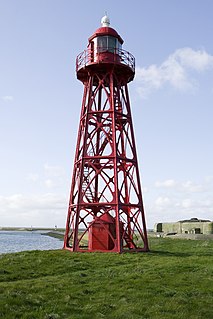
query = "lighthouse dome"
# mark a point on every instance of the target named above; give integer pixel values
(105, 22)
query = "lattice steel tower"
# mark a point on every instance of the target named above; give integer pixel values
(106, 208)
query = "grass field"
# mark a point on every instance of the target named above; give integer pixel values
(174, 280)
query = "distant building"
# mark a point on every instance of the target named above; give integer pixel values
(188, 226)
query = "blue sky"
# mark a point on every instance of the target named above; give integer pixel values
(40, 101)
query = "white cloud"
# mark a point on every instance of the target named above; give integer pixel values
(201, 207)
(192, 187)
(170, 208)
(209, 179)
(162, 202)
(54, 176)
(33, 177)
(33, 202)
(7, 98)
(37, 210)
(53, 171)
(186, 186)
(197, 60)
(49, 183)
(169, 183)
(145, 190)
(175, 71)
(173, 200)
(186, 203)
(51, 176)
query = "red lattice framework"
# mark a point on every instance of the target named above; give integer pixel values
(106, 177)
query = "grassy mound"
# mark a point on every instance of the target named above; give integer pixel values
(174, 280)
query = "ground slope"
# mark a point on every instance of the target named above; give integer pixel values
(174, 280)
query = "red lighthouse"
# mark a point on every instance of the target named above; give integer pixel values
(106, 208)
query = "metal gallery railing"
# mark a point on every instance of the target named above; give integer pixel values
(98, 55)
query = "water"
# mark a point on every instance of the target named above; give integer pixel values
(15, 241)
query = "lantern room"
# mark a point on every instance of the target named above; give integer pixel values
(105, 51)
(104, 40)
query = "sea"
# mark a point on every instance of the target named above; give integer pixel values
(16, 241)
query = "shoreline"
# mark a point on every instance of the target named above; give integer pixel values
(59, 233)
(55, 233)
(32, 229)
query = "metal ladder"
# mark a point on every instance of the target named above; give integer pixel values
(129, 242)
(86, 190)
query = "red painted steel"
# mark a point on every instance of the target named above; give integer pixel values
(102, 233)
(106, 208)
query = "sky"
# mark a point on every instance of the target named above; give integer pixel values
(40, 100)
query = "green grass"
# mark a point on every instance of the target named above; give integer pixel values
(174, 280)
